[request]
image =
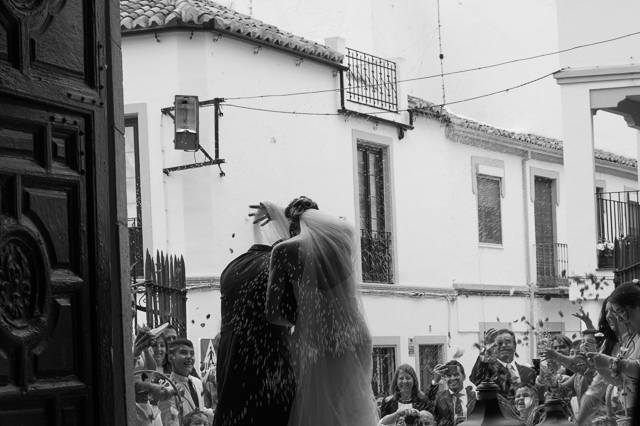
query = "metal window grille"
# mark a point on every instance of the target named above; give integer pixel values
(552, 263)
(136, 263)
(377, 266)
(375, 241)
(489, 214)
(384, 366)
(136, 253)
(371, 81)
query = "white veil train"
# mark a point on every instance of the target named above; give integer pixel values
(331, 345)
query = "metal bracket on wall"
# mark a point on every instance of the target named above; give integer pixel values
(210, 161)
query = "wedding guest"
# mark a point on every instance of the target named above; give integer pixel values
(181, 357)
(499, 357)
(623, 370)
(170, 334)
(160, 355)
(527, 404)
(426, 418)
(404, 394)
(195, 418)
(453, 405)
(594, 403)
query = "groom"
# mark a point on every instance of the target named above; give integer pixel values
(256, 383)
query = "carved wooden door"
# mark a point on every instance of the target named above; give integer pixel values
(61, 306)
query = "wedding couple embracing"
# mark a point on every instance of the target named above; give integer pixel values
(295, 348)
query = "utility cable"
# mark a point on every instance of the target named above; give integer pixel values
(542, 77)
(479, 68)
(441, 56)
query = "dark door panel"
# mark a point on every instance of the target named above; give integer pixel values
(62, 356)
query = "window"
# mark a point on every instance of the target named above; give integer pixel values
(134, 202)
(375, 240)
(489, 215)
(384, 366)
(429, 356)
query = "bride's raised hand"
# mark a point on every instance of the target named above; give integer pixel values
(261, 214)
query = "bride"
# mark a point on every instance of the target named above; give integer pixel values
(312, 274)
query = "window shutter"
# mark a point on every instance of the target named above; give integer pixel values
(489, 216)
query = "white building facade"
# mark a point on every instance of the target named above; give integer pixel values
(464, 225)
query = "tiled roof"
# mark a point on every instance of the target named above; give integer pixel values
(434, 111)
(138, 15)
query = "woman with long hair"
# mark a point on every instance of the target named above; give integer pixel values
(404, 394)
(330, 346)
(623, 370)
(616, 332)
(160, 355)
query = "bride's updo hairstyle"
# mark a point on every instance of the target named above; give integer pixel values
(295, 209)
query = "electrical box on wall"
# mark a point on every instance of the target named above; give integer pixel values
(186, 123)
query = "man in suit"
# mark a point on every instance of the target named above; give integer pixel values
(181, 357)
(256, 382)
(499, 356)
(454, 404)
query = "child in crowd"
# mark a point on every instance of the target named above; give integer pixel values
(195, 418)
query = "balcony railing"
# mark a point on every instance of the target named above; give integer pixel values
(371, 81)
(377, 260)
(618, 222)
(552, 263)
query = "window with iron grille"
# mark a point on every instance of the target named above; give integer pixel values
(489, 214)
(375, 240)
(429, 357)
(384, 366)
(134, 199)
(371, 81)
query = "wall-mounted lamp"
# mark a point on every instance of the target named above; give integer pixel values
(186, 123)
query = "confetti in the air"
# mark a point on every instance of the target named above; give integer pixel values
(208, 316)
(202, 324)
(458, 353)
(231, 250)
(561, 314)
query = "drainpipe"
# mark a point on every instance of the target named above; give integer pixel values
(527, 249)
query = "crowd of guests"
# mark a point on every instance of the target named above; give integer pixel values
(169, 391)
(594, 377)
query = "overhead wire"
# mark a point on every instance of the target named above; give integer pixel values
(443, 74)
(403, 110)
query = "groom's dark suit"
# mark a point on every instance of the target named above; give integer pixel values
(255, 379)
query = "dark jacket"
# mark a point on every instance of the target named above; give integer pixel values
(444, 410)
(502, 378)
(254, 374)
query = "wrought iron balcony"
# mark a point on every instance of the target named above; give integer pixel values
(377, 259)
(618, 222)
(371, 81)
(552, 263)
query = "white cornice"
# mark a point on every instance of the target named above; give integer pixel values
(597, 74)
